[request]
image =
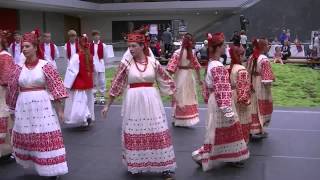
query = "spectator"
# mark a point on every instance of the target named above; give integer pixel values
(283, 36)
(167, 40)
(286, 53)
(235, 38)
(277, 55)
(203, 52)
(288, 34)
(243, 39)
(275, 41)
(155, 47)
(316, 43)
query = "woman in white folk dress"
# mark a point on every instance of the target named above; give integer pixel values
(147, 144)
(241, 90)
(182, 64)
(35, 94)
(224, 141)
(6, 63)
(79, 106)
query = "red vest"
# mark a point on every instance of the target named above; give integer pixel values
(52, 50)
(69, 49)
(84, 79)
(100, 49)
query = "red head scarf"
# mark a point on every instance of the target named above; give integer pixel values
(140, 36)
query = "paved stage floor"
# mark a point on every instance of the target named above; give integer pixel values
(292, 151)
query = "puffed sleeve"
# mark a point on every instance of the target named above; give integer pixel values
(13, 87)
(243, 87)
(6, 64)
(221, 86)
(173, 62)
(119, 81)
(165, 82)
(54, 82)
(266, 72)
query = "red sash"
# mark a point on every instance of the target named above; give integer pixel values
(100, 50)
(52, 50)
(69, 49)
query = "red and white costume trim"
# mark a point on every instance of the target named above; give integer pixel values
(37, 138)
(100, 52)
(186, 105)
(6, 63)
(51, 53)
(261, 99)
(79, 106)
(241, 94)
(147, 143)
(224, 141)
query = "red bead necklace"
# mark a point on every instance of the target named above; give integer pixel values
(31, 64)
(145, 63)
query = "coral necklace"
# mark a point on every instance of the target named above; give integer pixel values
(31, 64)
(145, 63)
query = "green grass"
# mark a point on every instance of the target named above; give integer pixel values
(295, 86)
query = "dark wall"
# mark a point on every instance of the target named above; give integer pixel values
(269, 17)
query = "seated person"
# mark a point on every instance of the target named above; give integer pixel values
(286, 53)
(277, 55)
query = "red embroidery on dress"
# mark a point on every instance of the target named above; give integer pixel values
(265, 107)
(42, 161)
(226, 156)
(152, 164)
(119, 81)
(221, 86)
(173, 62)
(165, 76)
(255, 125)
(266, 71)
(149, 141)
(54, 82)
(243, 87)
(186, 112)
(13, 87)
(6, 63)
(229, 134)
(246, 131)
(4, 125)
(42, 142)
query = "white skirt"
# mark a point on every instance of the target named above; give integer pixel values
(79, 106)
(37, 138)
(147, 145)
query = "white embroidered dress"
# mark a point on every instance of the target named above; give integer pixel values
(37, 138)
(146, 140)
(224, 141)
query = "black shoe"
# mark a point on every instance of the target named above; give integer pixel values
(167, 175)
(89, 121)
(53, 178)
(236, 164)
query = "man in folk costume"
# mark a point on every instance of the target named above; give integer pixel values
(79, 106)
(72, 46)
(223, 141)
(15, 48)
(261, 77)
(6, 63)
(241, 90)
(146, 139)
(182, 64)
(49, 49)
(100, 53)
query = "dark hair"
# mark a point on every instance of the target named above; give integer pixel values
(17, 33)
